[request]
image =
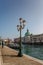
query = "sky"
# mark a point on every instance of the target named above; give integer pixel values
(12, 10)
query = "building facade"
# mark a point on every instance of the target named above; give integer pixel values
(31, 39)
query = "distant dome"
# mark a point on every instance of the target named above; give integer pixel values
(27, 33)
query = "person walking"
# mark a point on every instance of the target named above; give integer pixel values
(2, 44)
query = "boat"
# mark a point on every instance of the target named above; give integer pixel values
(13, 46)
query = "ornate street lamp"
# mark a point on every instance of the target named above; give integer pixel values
(19, 28)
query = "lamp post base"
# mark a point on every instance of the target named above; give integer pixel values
(20, 54)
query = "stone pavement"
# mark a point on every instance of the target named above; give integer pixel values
(1, 60)
(10, 58)
(0, 57)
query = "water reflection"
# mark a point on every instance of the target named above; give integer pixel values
(33, 50)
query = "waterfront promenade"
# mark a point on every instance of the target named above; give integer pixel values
(9, 56)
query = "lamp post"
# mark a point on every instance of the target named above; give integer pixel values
(19, 28)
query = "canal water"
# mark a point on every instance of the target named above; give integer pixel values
(33, 50)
